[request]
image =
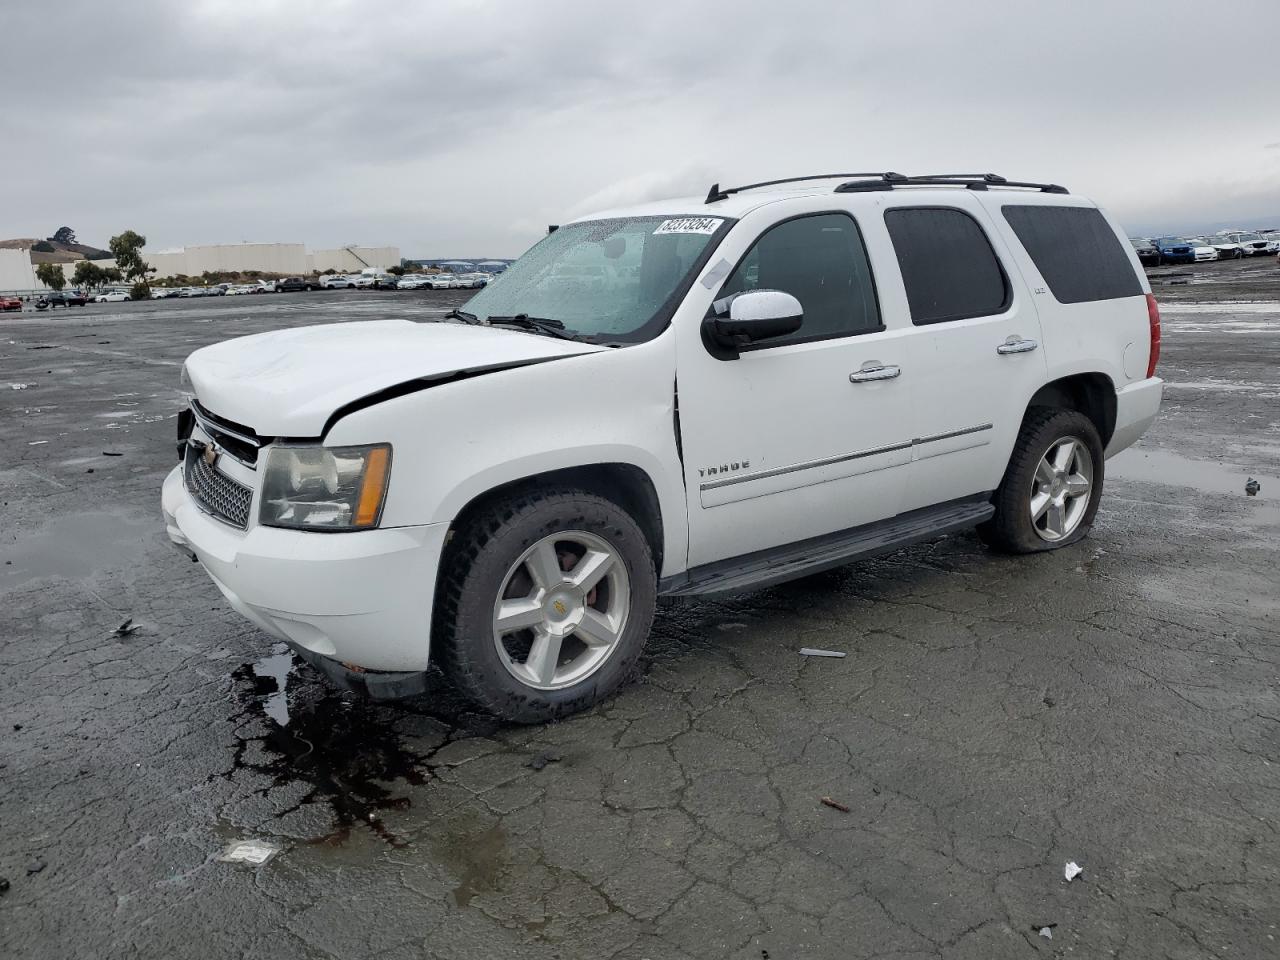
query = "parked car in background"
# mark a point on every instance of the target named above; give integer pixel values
(1147, 253)
(112, 296)
(1203, 249)
(394, 495)
(1253, 244)
(10, 303)
(336, 281)
(295, 284)
(413, 281)
(442, 281)
(1227, 249)
(1174, 250)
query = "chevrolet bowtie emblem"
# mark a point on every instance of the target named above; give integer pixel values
(560, 607)
(210, 454)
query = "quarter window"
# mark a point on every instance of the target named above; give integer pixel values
(948, 266)
(1076, 251)
(821, 261)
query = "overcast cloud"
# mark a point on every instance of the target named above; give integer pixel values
(463, 127)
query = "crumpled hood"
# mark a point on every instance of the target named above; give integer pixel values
(287, 383)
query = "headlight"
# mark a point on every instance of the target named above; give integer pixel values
(324, 488)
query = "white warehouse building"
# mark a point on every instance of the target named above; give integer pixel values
(288, 259)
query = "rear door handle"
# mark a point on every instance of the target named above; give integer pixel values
(1016, 344)
(873, 370)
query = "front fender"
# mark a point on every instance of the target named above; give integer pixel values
(458, 440)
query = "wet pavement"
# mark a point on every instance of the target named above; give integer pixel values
(1115, 704)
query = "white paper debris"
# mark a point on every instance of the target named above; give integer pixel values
(19, 386)
(811, 652)
(249, 851)
(1046, 932)
(1072, 871)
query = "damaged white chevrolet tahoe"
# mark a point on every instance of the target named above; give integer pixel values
(687, 397)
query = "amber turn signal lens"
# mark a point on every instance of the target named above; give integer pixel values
(373, 486)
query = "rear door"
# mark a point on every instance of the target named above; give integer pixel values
(975, 354)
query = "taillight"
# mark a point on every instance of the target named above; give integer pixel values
(1153, 320)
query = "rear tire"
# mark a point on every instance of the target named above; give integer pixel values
(1050, 492)
(514, 631)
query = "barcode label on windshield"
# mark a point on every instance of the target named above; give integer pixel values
(703, 225)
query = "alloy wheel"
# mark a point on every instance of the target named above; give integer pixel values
(1061, 489)
(561, 610)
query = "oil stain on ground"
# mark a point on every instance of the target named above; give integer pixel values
(357, 757)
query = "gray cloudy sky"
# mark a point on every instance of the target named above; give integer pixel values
(463, 127)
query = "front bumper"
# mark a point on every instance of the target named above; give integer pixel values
(362, 599)
(1136, 408)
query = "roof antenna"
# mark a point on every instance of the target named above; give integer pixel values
(715, 195)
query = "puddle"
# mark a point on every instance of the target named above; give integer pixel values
(355, 756)
(1164, 466)
(478, 858)
(75, 546)
(271, 682)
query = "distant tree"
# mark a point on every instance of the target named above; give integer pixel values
(397, 270)
(127, 249)
(64, 235)
(112, 275)
(44, 246)
(88, 275)
(51, 275)
(140, 291)
(330, 272)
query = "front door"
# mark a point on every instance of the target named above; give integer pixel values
(806, 434)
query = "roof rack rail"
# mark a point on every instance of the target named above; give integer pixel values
(970, 181)
(716, 194)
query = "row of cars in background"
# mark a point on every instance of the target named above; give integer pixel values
(368, 280)
(1227, 245)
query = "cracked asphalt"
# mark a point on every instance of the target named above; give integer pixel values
(1116, 704)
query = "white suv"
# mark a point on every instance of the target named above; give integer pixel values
(688, 397)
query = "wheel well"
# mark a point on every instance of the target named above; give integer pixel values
(626, 485)
(1093, 394)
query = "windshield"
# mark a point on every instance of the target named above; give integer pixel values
(1169, 241)
(1140, 244)
(614, 279)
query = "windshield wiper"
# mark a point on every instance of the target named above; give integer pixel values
(462, 315)
(543, 325)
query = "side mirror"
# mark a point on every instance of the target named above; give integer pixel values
(753, 316)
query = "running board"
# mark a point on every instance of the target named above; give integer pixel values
(777, 564)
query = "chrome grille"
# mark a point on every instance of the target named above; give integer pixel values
(218, 494)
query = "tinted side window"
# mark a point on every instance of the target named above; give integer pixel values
(1076, 252)
(948, 266)
(821, 261)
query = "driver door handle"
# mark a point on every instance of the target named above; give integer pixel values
(1016, 344)
(873, 371)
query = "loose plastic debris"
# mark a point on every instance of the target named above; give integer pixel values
(249, 851)
(19, 386)
(812, 652)
(542, 759)
(126, 628)
(1072, 871)
(833, 804)
(1047, 932)
(1252, 487)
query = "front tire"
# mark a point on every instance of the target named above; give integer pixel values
(544, 605)
(1051, 489)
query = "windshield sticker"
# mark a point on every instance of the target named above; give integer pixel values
(703, 225)
(717, 273)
